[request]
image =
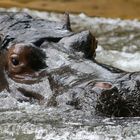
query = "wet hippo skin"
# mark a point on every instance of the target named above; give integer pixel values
(45, 61)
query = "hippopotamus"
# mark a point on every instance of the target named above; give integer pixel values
(34, 50)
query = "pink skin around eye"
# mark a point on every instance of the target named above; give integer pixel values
(103, 85)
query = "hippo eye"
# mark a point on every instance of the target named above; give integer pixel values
(15, 61)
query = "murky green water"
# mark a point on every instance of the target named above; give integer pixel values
(119, 45)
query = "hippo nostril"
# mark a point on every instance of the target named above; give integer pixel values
(15, 61)
(103, 85)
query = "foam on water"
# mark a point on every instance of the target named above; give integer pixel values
(123, 60)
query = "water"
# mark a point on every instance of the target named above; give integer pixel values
(119, 46)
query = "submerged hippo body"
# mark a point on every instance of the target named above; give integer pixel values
(40, 52)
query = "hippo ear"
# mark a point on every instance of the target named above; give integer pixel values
(66, 21)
